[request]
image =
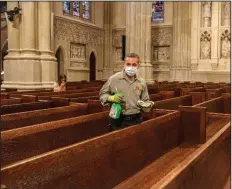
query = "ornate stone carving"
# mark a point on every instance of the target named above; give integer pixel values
(206, 13)
(77, 33)
(118, 54)
(225, 44)
(77, 51)
(117, 37)
(161, 36)
(161, 53)
(205, 45)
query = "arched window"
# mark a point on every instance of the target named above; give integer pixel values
(77, 8)
(158, 11)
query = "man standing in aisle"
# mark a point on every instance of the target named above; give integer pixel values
(128, 90)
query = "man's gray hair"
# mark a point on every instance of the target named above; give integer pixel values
(132, 55)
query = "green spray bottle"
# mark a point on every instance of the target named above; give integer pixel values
(116, 109)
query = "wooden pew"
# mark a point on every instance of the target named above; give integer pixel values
(218, 105)
(156, 97)
(185, 91)
(173, 103)
(24, 107)
(21, 143)
(11, 101)
(213, 93)
(84, 99)
(91, 89)
(197, 97)
(100, 162)
(211, 159)
(15, 100)
(186, 165)
(227, 89)
(22, 119)
(72, 95)
(167, 94)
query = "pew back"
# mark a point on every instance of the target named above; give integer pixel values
(173, 103)
(101, 162)
(22, 119)
(24, 107)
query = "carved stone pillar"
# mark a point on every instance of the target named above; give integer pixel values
(27, 74)
(215, 30)
(181, 66)
(207, 14)
(194, 35)
(11, 60)
(108, 55)
(138, 36)
(226, 13)
(47, 58)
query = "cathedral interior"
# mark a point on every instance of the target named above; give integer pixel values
(182, 41)
(60, 66)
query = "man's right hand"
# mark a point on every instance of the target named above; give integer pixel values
(116, 98)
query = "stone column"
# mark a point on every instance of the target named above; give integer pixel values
(226, 13)
(138, 36)
(108, 56)
(181, 66)
(47, 58)
(207, 14)
(30, 68)
(215, 31)
(11, 60)
(194, 35)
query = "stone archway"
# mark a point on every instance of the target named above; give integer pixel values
(60, 60)
(92, 67)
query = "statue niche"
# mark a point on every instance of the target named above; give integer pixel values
(225, 45)
(205, 45)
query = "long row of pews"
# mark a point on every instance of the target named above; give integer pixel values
(61, 140)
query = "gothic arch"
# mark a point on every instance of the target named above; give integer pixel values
(92, 65)
(60, 56)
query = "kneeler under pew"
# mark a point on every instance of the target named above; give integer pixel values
(177, 146)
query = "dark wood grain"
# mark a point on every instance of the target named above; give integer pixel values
(173, 103)
(166, 168)
(215, 105)
(22, 119)
(197, 97)
(211, 159)
(101, 162)
(193, 124)
(23, 107)
(18, 144)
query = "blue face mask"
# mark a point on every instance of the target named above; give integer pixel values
(131, 71)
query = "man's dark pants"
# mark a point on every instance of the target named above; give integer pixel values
(125, 121)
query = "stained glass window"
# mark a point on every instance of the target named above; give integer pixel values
(85, 5)
(157, 11)
(77, 8)
(66, 7)
(3, 5)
